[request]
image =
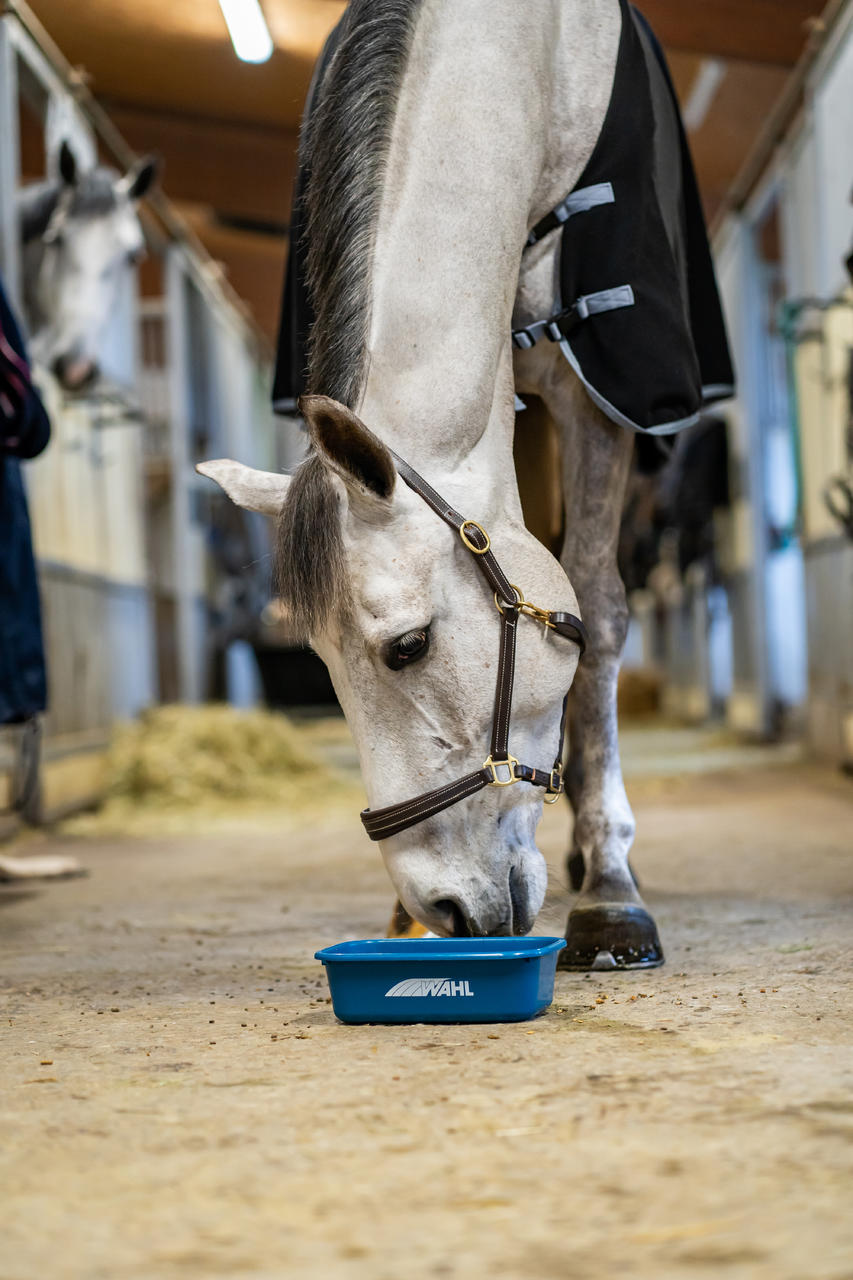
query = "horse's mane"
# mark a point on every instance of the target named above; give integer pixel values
(92, 195)
(345, 146)
(343, 149)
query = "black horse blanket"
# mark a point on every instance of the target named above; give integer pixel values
(639, 316)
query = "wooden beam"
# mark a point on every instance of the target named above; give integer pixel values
(745, 98)
(243, 171)
(770, 31)
(684, 68)
(177, 56)
(254, 264)
(776, 123)
(173, 67)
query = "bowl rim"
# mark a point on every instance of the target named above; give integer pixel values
(425, 950)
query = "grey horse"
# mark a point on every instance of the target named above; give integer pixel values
(497, 202)
(79, 233)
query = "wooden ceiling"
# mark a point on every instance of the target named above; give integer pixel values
(175, 55)
(227, 131)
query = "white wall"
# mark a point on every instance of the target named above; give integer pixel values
(739, 532)
(832, 89)
(815, 169)
(800, 214)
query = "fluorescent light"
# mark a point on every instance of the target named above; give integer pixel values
(710, 76)
(248, 29)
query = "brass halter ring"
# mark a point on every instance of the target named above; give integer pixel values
(478, 551)
(555, 786)
(519, 602)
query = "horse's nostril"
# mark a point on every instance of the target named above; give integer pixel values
(460, 925)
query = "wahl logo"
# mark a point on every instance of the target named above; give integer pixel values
(430, 987)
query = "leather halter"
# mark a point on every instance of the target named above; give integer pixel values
(500, 769)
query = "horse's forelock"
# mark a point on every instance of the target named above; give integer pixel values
(311, 572)
(92, 196)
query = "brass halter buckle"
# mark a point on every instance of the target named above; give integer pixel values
(510, 765)
(472, 546)
(555, 786)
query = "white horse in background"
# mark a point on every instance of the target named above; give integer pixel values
(79, 234)
(444, 131)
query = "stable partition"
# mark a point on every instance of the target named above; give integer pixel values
(86, 490)
(122, 525)
(818, 235)
(822, 344)
(787, 560)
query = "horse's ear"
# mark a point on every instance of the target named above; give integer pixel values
(139, 180)
(262, 491)
(67, 165)
(346, 445)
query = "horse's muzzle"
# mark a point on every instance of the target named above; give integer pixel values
(512, 914)
(74, 372)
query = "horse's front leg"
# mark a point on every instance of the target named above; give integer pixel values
(609, 927)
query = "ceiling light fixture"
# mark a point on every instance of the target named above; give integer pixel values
(248, 29)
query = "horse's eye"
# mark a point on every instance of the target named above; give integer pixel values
(406, 649)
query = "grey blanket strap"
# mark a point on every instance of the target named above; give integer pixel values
(559, 326)
(576, 202)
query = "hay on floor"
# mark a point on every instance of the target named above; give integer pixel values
(177, 764)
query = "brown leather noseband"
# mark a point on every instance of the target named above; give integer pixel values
(500, 769)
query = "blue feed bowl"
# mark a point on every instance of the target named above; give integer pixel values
(441, 979)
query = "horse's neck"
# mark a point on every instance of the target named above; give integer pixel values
(499, 108)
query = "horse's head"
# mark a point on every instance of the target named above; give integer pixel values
(80, 233)
(394, 603)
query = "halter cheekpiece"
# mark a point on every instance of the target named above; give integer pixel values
(500, 768)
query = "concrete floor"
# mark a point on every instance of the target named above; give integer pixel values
(178, 1100)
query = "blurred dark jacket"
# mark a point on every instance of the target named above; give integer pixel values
(24, 432)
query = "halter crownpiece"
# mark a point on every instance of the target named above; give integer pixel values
(500, 768)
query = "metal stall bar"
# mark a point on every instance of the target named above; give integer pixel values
(189, 665)
(9, 165)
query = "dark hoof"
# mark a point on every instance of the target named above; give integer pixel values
(576, 867)
(611, 937)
